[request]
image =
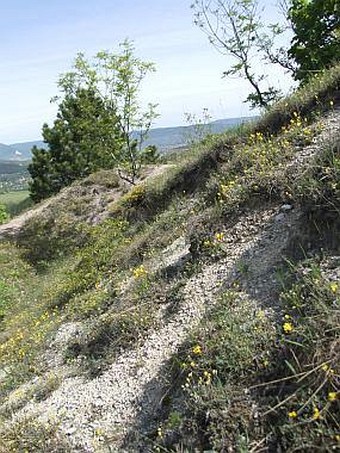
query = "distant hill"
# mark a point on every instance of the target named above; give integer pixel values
(10, 153)
(165, 138)
(26, 147)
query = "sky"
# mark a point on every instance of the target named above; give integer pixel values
(40, 39)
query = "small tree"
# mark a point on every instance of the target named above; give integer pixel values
(116, 80)
(234, 27)
(99, 124)
(199, 127)
(82, 138)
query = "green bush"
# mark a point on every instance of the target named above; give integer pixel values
(3, 214)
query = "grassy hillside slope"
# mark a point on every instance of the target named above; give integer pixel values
(196, 311)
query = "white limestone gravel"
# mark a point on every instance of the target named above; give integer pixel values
(106, 407)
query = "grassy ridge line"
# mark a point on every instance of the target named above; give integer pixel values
(195, 167)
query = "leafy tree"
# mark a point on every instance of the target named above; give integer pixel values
(316, 41)
(116, 80)
(267, 38)
(99, 124)
(82, 139)
(234, 27)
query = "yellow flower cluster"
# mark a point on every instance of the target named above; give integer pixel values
(316, 414)
(139, 272)
(256, 138)
(288, 327)
(296, 120)
(334, 287)
(197, 349)
(332, 396)
(292, 414)
(219, 237)
(225, 189)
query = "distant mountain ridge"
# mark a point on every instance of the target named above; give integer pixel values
(26, 147)
(165, 138)
(10, 153)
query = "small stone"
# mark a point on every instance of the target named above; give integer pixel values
(279, 217)
(286, 207)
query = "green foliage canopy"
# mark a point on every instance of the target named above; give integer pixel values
(100, 123)
(116, 79)
(316, 41)
(82, 138)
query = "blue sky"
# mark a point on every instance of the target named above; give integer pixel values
(39, 40)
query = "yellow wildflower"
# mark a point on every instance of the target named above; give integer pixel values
(332, 396)
(219, 237)
(316, 413)
(292, 414)
(288, 327)
(197, 349)
(334, 287)
(327, 369)
(139, 271)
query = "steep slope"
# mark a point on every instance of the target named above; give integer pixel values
(156, 332)
(133, 386)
